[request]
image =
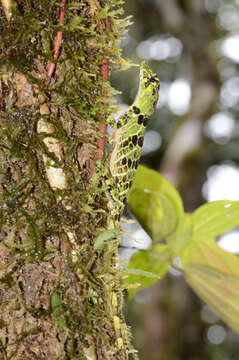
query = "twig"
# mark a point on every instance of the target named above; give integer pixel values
(57, 42)
(6, 4)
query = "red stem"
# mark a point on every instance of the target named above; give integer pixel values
(104, 69)
(58, 41)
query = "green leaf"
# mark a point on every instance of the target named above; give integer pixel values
(145, 268)
(148, 179)
(219, 290)
(105, 236)
(142, 273)
(155, 202)
(215, 218)
(58, 310)
(154, 211)
(207, 252)
(56, 301)
(163, 251)
(179, 238)
(214, 274)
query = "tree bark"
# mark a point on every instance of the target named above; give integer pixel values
(59, 298)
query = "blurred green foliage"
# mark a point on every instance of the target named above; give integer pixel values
(192, 46)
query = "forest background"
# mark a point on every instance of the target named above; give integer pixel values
(193, 141)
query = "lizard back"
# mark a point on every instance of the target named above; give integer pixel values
(129, 136)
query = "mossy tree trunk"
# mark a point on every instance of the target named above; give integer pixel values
(59, 298)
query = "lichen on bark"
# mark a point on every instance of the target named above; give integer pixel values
(59, 298)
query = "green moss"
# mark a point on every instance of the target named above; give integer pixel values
(28, 39)
(34, 219)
